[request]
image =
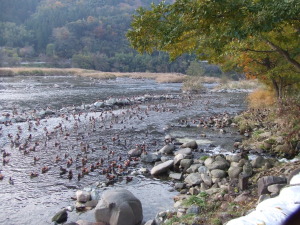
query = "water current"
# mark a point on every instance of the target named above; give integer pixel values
(79, 132)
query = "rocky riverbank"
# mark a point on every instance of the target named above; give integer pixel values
(212, 189)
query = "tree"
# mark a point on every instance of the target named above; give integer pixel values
(223, 31)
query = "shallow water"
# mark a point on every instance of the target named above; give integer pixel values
(94, 135)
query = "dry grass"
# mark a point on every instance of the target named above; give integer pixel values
(193, 84)
(242, 84)
(159, 77)
(261, 98)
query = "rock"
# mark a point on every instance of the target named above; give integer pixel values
(150, 222)
(263, 197)
(186, 163)
(208, 161)
(247, 169)
(176, 176)
(179, 186)
(284, 148)
(220, 164)
(193, 209)
(193, 179)
(136, 152)
(83, 222)
(266, 181)
(168, 138)
(150, 158)
(162, 168)
(233, 172)
(167, 149)
(99, 104)
(193, 168)
(80, 206)
(234, 158)
(275, 188)
(119, 207)
(203, 169)
(177, 159)
(293, 173)
(217, 173)
(258, 162)
(212, 191)
(193, 191)
(91, 204)
(184, 151)
(206, 179)
(191, 144)
(144, 171)
(241, 198)
(83, 196)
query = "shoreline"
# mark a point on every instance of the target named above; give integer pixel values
(40, 71)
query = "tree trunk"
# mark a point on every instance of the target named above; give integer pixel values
(276, 88)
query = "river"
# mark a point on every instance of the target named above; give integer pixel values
(77, 130)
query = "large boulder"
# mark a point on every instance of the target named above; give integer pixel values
(266, 181)
(83, 196)
(167, 149)
(119, 207)
(150, 158)
(162, 168)
(191, 144)
(221, 165)
(193, 179)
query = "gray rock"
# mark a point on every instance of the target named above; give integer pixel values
(258, 162)
(234, 172)
(234, 158)
(220, 164)
(191, 144)
(275, 188)
(179, 186)
(193, 179)
(119, 207)
(266, 181)
(208, 161)
(176, 176)
(83, 196)
(136, 152)
(247, 169)
(99, 104)
(184, 151)
(193, 209)
(203, 169)
(167, 149)
(150, 158)
(206, 179)
(162, 168)
(177, 159)
(217, 173)
(193, 168)
(193, 191)
(186, 163)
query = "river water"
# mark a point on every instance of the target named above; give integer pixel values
(76, 131)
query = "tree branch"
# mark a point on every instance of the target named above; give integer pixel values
(285, 54)
(261, 51)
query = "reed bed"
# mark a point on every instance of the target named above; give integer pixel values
(36, 71)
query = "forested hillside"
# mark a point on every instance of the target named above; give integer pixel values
(80, 33)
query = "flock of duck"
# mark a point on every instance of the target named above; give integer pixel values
(77, 144)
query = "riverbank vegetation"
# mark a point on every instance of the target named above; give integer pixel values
(28, 71)
(257, 38)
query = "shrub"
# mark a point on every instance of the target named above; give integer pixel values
(261, 99)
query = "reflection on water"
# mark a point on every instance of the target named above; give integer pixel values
(92, 136)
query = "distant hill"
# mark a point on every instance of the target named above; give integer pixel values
(81, 33)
